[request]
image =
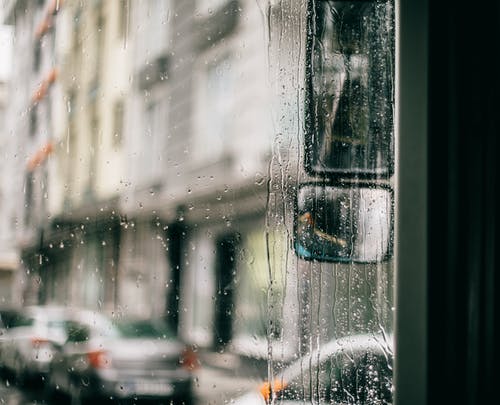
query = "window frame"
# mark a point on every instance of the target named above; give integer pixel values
(206, 61)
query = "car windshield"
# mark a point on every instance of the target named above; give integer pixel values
(11, 319)
(19, 320)
(155, 329)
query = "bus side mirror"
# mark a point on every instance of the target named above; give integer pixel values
(349, 72)
(340, 223)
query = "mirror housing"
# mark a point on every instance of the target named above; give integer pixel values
(344, 223)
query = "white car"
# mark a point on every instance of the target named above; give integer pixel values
(124, 358)
(27, 346)
(355, 369)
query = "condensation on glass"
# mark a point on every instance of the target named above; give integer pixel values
(157, 187)
(333, 168)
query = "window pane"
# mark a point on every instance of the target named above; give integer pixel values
(213, 178)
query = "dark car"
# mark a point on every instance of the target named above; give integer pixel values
(355, 369)
(120, 359)
(27, 342)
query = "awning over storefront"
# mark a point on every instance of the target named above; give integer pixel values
(42, 89)
(40, 156)
(47, 20)
(43, 26)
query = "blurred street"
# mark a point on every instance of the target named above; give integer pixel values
(11, 395)
(216, 387)
(212, 387)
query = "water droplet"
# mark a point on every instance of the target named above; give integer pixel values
(259, 179)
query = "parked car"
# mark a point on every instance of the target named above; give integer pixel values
(9, 317)
(120, 359)
(26, 346)
(356, 369)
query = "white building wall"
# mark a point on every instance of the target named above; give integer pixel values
(144, 269)
(9, 258)
(115, 84)
(17, 114)
(59, 116)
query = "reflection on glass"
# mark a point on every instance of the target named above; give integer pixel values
(350, 75)
(344, 224)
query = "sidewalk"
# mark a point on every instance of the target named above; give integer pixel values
(223, 378)
(215, 387)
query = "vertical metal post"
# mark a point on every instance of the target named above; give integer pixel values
(411, 203)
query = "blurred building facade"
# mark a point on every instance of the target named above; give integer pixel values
(86, 223)
(198, 136)
(145, 134)
(9, 260)
(28, 123)
(68, 166)
(156, 170)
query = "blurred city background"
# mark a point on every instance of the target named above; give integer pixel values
(136, 141)
(149, 165)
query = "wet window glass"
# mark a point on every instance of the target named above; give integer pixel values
(354, 371)
(200, 195)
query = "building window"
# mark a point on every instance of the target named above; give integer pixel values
(93, 282)
(251, 284)
(201, 289)
(150, 162)
(77, 28)
(123, 17)
(100, 39)
(95, 126)
(71, 147)
(216, 110)
(37, 55)
(28, 198)
(118, 123)
(225, 268)
(33, 120)
(254, 319)
(153, 23)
